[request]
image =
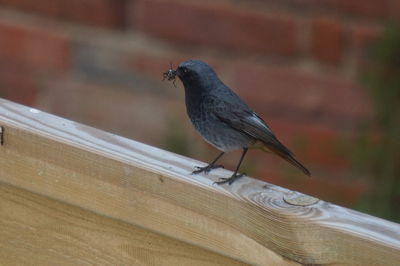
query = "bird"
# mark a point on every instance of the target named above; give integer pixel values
(223, 119)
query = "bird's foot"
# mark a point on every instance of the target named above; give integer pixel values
(206, 169)
(229, 180)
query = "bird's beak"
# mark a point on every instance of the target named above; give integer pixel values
(178, 72)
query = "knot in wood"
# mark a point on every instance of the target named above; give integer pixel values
(299, 199)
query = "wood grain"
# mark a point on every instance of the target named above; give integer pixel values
(36, 230)
(144, 186)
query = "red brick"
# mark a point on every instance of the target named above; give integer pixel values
(104, 13)
(151, 65)
(314, 144)
(327, 40)
(34, 46)
(134, 113)
(154, 66)
(395, 9)
(41, 6)
(362, 37)
(216, 26)
(291, 92)
(17, 83)
(370, 8)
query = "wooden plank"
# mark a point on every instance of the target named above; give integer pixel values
(249, 221)
(36, 230)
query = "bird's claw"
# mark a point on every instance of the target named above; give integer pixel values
(206, 169)
(229, 180)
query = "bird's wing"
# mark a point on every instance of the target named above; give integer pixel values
(251, 124)
(240, 117)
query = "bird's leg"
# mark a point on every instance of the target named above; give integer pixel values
(235, 175)
(209, 167)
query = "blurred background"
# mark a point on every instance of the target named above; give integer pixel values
(325, 75)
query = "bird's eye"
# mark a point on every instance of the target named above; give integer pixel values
(183, 70)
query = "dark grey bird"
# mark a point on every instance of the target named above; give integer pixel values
(223, 119)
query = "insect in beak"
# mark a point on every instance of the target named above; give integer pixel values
(170, 74)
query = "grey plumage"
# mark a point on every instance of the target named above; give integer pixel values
(222, 118)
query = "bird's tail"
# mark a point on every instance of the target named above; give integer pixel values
(286, 155)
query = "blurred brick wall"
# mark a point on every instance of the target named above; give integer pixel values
(100, 62)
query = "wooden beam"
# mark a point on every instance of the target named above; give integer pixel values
(54, 233)
(250, 221)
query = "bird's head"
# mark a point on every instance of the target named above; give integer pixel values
(196, 73)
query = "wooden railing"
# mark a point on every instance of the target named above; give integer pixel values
(74, 194)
